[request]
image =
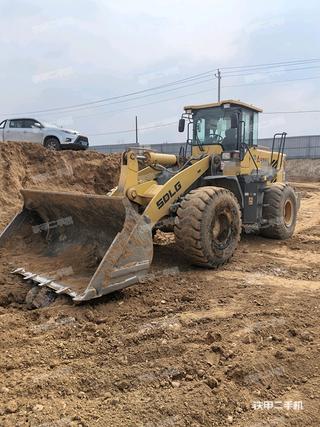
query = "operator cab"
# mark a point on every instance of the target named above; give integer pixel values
(230, 124)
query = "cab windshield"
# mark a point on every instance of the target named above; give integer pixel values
(213, 126)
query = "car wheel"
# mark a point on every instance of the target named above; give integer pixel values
(52, 144)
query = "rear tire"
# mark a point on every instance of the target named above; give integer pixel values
(52, 144)
(208, 226)
(280, 210)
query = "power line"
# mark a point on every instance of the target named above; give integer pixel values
(133, 130)
(275, 81)
(143, 105)
(144, 96)
(140, 92)
(190, 94)
(174, 123)
(86, 104)
(172, 99)
(272, 64)
(292, 112)
(271, 71)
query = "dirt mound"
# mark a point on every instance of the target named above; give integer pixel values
(303, 170)
(24, 165)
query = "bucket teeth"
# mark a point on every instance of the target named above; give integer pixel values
(63, 290)
(45, 283)
(84, 246)
(29, 276)
(18, 270)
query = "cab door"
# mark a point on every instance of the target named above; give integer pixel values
(32, 131)
(13, 131)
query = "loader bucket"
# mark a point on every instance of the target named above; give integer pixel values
(81, 245)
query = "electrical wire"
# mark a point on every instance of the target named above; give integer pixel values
(177, 82)
(144, 96)
(88, 104)
(133, 130)
(275, 81)
(187, 95)
(272, 64)
(292, 112)
(269, 71)
(174, 123)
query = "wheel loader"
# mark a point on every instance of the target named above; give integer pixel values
(220, 184)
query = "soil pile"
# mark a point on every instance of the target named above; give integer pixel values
(24, 165)
(303, 170)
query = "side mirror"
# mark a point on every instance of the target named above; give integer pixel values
(182, 123)
(37, 125)
(234, 121)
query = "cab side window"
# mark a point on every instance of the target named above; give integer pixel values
(249, 128)
(16, 124)
(28, 123)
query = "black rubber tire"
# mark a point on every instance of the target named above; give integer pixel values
(52, 144)
(280, 210)
(208, 226)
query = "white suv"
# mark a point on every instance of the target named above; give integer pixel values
(51, 136)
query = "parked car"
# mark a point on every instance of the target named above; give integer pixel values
(50, 136)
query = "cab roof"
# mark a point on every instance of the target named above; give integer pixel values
(232, 102)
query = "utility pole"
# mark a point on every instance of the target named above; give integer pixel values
(218, 76)
(137, 140)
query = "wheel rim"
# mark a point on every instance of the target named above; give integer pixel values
(51, 145)
(222, 228)
(288, 213)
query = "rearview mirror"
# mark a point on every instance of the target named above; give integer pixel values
(234, 121)
(182, 123)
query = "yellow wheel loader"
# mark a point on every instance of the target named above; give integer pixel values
(86, 246)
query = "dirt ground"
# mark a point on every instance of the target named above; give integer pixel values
(192, 347)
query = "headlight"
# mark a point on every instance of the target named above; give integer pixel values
(226, 156)
(232, 155)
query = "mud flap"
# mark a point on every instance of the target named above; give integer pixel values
(81, 245)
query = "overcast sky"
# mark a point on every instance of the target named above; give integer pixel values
(57, 53)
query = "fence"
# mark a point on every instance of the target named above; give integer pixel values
(297, 147)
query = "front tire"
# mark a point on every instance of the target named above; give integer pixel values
(52, 144)
(208, 226)
(280, 209)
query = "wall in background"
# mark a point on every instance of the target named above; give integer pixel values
(297, 147)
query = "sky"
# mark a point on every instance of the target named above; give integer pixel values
(60, 53)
